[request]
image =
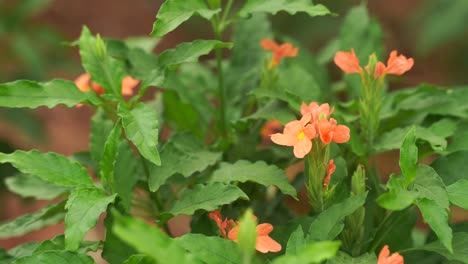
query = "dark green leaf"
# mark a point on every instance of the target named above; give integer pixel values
(429, 185)
(458, 193)
(290, 6)
(207, 197)
(56, 256)
(211, 249)
(141, 127)
(58, 243)
(273, 110)
(451, 168)
(460, 248)
(393, 139)
(50, 167)
(100, 130)
(49, 215)
(139, 259)
(191, 51)
(258, 172)
(312, 253)
(109, 156)
(437, 218)
(31, 186)
(145, 67)
(296, 241)
(34, 94)
(84, 206)
(409, 157)
(184, 155)
(126, 174)
(175, 12)
(343, 258)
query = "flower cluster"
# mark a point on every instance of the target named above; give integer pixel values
(84, 83)
(279, 51)
(396, 64)
(315, 123)
(229, 229)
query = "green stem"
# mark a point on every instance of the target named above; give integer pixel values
(225, 14)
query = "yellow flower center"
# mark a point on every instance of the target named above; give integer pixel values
(300, 135)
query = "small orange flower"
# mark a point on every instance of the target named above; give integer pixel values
(279, 51)
(84, 83)
(329, 131)
(316, 111)
(396, 64)
(297, 133)
(264, 242)
(128, 85)
(348, 62)
(331, 167)
(386, 258)
(224, 226)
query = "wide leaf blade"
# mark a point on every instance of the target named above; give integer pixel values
(27, 185)
(290, 6)
(191, 51)
(214, 250)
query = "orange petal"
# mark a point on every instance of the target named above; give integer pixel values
(82, 82)
(310, 132)
(264, 229)
(128, 85)
(341, 134)
(268, 44)
(284, 139)
(347, 61)
(232, 235)
(398, 65)
(302, 147)
(379, 69)
(267, 244)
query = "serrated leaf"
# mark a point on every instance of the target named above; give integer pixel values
(104, 70)
(437, 218)
(312, 253)
(458, 193)
(56, 256)
(215, 250)
(460, 248)
(409, 156)
(258, 172)
(141, 127)
(429, 185)
(175, 12)
(27, 185)
(207, 197)
(183, 155)
(398, 197)
(100, 130)
(58, 243)
(109, 157)
(32, 94)
(190, 51)
(49, 215)
(84, 206)
(329, 223)
(290, 6)
(343, 258)
(150, 240)
(50, 167)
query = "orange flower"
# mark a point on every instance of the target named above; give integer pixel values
(385, 258)
(224, 226)
(297, 133)
(396, 64)
(84, 83)
(264, 242)
(331, 167)
(279, 51)
(329, 131)
(348, 62)
(128, 84)
(316, 111)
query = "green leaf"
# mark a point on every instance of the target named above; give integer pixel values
(451, 167)
(126, 174)
(50, 167)
(145, 67)
(460, 248)
(409, 156)
(32, 94)
(258, 172)
(141, 127)
(190, 51)
(403, 221)
(393, 139)
(343, 258)
(398, 197)
(175, 12)
(429, 185)
(84, 206)
(329, 223)
(56, 256)
(458, 194)
(312, 253)
(109, 157)
(215, 250)
(247, 235)
(273, 110)
(296, 241)
(139, 259)
(290, 6)
(437, 218)
(104, 70)
(207, 197)
(27, 185)
(101, 127)
(184, 155)
(58, 243)
(150, 240)
(49, 215)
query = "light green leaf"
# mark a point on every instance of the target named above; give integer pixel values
(458, 193)
(84, 206)
(215, 250)
(429, 185)
(183, 155)
(150, 240)
(109, 157)
(258, 172)
(104, 70)
(312, 253)
(394, 138)
(296, 241)
(343, 258)
(100, 130)
(58, 243)
(50, 167)
(437, 218)
(290, 6)
(175, 12)
(409, 157)
(398, 197)
(329, 223)
(451, 168)
(49, 215)
(56, 256)
(139, 259)
(145, 67)
(190, 51)
(460, 248)
(32, 94)
(247, 235)
(141, 127)
(207, 197)
(31, 186)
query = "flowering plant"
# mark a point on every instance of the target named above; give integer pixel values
(213, 142)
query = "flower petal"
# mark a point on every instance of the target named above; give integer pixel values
(347, 61)
(267, 244)
(268, 44)
(341, 134)
(264, 229)
(284, 139)
(302, 147)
